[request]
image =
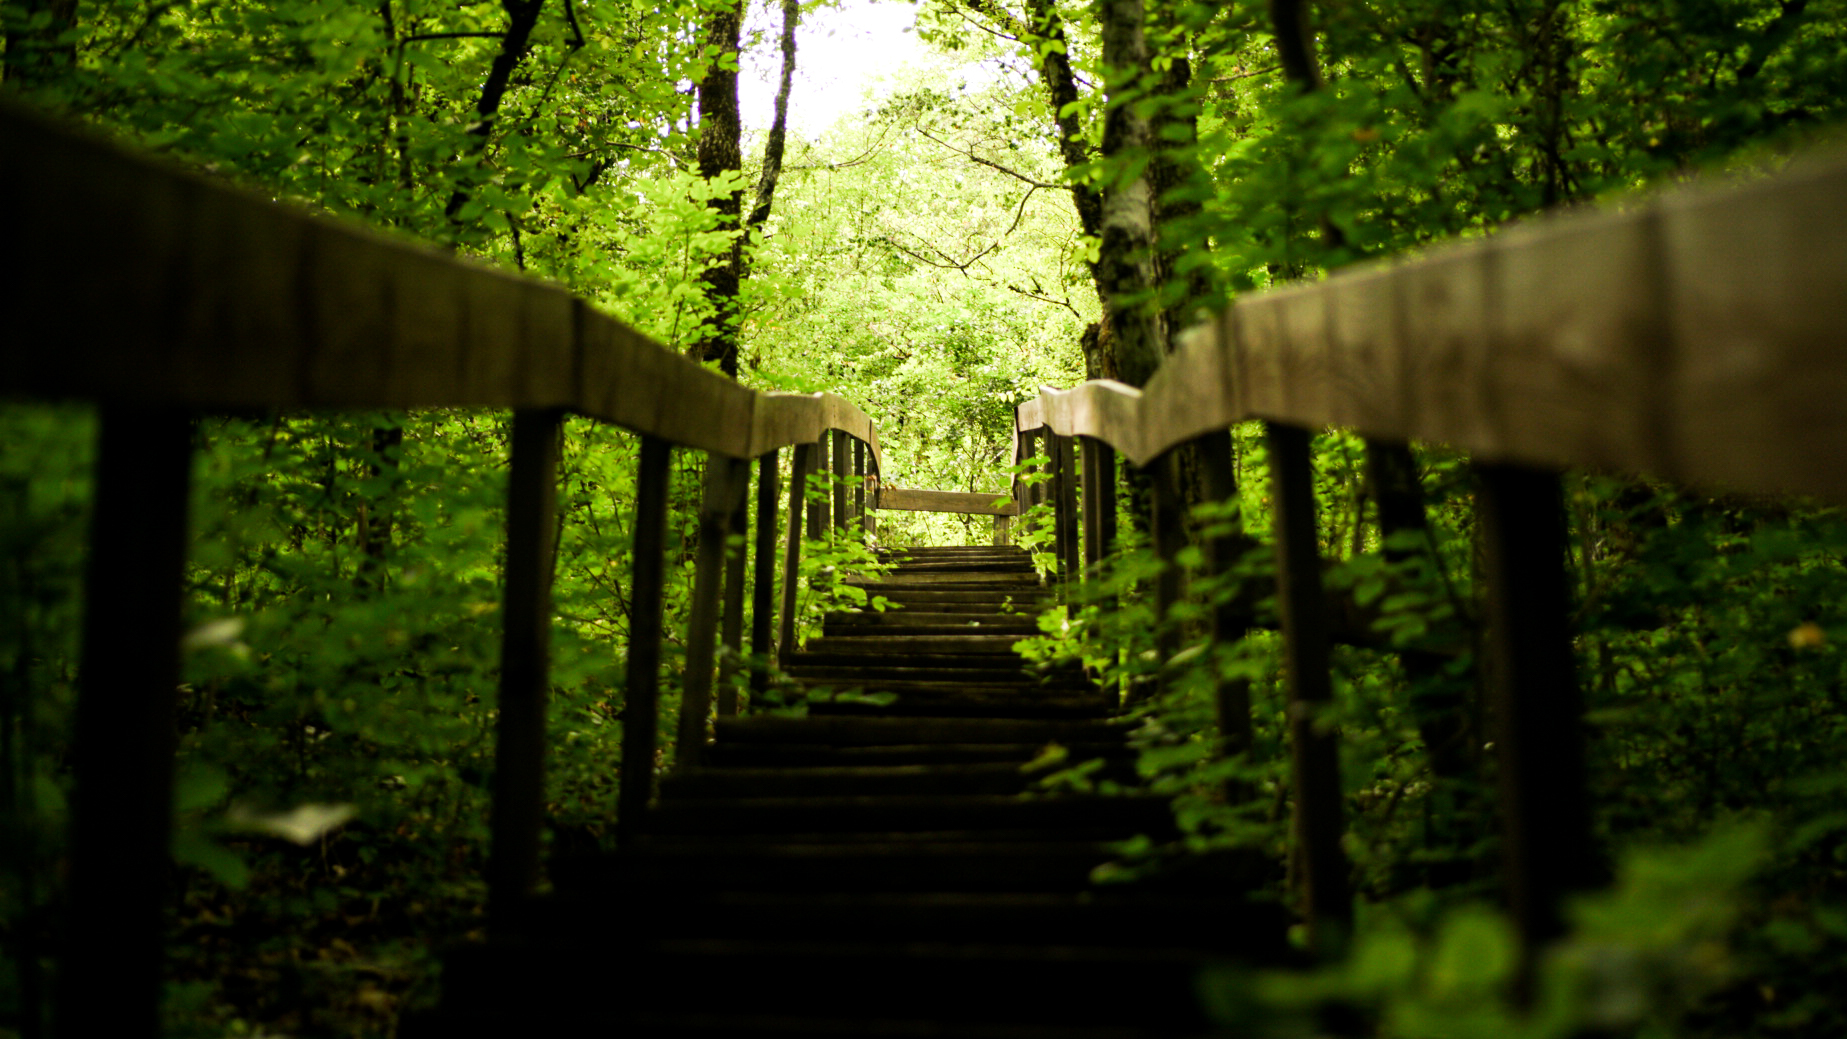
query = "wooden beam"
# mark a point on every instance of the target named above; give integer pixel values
(842, 468)
(1539, 741)
(199, 293)
(121, 809)
(1314, 750)
(803, 463)
(726, 480)
(516, 819)
(641, 697)
(763, 576)
(731, 630)
(902, 500)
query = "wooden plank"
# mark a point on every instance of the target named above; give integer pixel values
(1579, 360)
(1064, 467)
(1186, 397)
(859, 489)
(199, 293)
(842, 468)
(1167, 516)
(641, 695)
(1314, 751)
(1229, 620)
(731, 630)
(124, 727)
(1366, 381)
(1539, 742)
(1757, 276)
(902, 500)
(763, 576)
(801, 466)
(517, 814)
(726, 480)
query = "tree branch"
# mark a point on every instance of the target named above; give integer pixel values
(1015, 174)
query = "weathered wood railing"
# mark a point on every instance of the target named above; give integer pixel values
(157, 293)
(1699, 337)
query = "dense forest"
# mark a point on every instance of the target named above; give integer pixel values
(1053, 196)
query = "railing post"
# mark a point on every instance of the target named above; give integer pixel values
(859, 489)
(1023, 494)
(818, 518)
(805, 457)
(1314, 752)
(1229, 619)
(725, 482)
(121, 813)
(1065, 508)
(1540, 746)
(763, 587)
(731, 634)
(1169, 521)
(841, 468)
(641, 701)
(1000, 531)
(518, 811)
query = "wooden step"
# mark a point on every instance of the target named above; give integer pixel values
(1124, 816)
(950, 581)
(1024, 600)
(912, 645)
(1018, 865)
(962, 622)
(631, 989)
(998, 777)
(1128, 918)
(911, 731)
(972, 703)
(809, 755)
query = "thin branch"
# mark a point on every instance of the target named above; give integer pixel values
(1015, 174)
(420, 37)
(1065, 303)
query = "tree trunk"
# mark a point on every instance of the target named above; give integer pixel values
(522, 17)
(773, 145)
(1125, 269)
(720, 153)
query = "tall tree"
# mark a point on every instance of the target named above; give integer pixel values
(721, 154)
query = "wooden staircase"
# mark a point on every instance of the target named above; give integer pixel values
(879, 869)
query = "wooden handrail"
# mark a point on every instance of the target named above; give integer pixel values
(154, 291)
(1695, 336)
(901, 499)
(152, 284)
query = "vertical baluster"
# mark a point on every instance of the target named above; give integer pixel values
(805, 458)
(1229, 619)
(818, 518)
(517, 815)
(1066, 507)
(841, 468)
(641, 700)
(725, 482)
(1539, 743)
(1093, 520)
(859, 489)
(1314, 751)
(1169, 533)
(1000, 530)
(731, 634)
(763, 588)
(121, 812)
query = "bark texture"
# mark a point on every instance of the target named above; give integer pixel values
(1126, 267)
(721, 153)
